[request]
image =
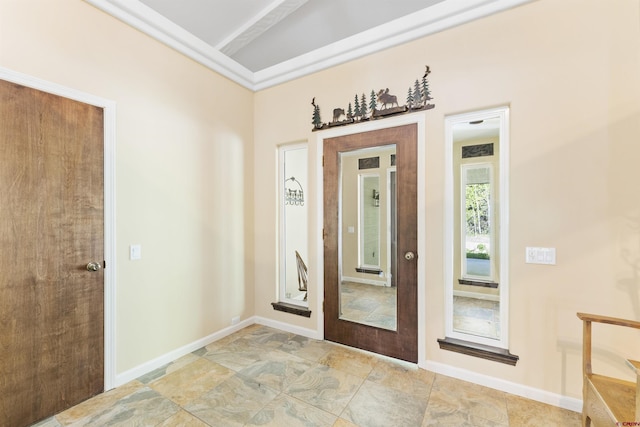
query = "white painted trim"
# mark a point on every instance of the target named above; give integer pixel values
(418, 118)
(173, 355)
(258, 24)
(305, 332)
(364, 281)
(554, 399)
(476, 295)
(109, 110)
(433, 19)
(390, 170)
(150, 22)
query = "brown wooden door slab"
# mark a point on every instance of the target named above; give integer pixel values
(401, 343)
(51, 227)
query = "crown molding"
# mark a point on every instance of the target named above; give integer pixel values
(439, 17)
(148, 21)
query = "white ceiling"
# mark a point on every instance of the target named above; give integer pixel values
(261, 43)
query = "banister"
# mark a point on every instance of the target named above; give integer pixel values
(608, 320)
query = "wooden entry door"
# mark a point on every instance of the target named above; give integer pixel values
(51, 228)
(401, 341)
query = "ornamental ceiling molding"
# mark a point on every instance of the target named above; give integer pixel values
(436, 18)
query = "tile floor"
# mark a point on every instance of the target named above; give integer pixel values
(261, 376)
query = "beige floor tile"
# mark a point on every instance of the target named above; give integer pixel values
(192, 381)
(404, 377)
(307, 348)
(288, 380)
(291, 412)
(344, 423)
(375, 405)
(351, 361)
(472, 402)
(325, 388)
(98, 403)
(233, 402)
(143, 407)
(524, 412)
(183, 419)
(277, 369)
(236, 355)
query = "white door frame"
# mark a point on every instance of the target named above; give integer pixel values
(109, 108)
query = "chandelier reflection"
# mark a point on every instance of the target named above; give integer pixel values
(293, 196)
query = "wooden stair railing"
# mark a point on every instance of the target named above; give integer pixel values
(608, 401)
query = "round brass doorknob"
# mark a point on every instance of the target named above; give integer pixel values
(409, 256)
(93, 266)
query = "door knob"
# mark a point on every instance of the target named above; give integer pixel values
(409, 256)
(93, 266)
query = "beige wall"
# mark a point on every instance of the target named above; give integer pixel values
(569, 71)
(184, 180)
(187, 170)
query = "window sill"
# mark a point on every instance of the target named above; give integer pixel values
(469, 282)
(376, 271)
(291, 308)
(479, 350)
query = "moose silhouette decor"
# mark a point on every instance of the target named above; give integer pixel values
(381, 103)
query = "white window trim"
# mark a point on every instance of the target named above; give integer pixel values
(503, 114)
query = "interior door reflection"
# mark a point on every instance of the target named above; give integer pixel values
(367, 238)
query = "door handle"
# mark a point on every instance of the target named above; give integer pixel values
(93, 266)
(409, 256)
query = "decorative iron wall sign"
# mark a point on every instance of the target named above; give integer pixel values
(380, 104)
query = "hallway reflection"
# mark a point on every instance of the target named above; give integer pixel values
(369, 304)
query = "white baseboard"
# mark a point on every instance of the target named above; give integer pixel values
(365, 281)
(309, 333)
(476, 295)
(160, 361)
(538, 395)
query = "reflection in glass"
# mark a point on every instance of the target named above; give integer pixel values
(476, 221)
(369, 196)
(293, 224)
(366, 237)
(476, 291)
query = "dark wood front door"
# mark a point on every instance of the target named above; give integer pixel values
(51, 228)
(401, 341)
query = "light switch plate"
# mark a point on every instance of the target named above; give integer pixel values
(135, 252)
(536, 255)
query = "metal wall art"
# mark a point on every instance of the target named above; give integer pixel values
(293, 196)
(380, 104)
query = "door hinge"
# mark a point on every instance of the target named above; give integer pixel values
(104, 264)
(323, 161)
(323, 306)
